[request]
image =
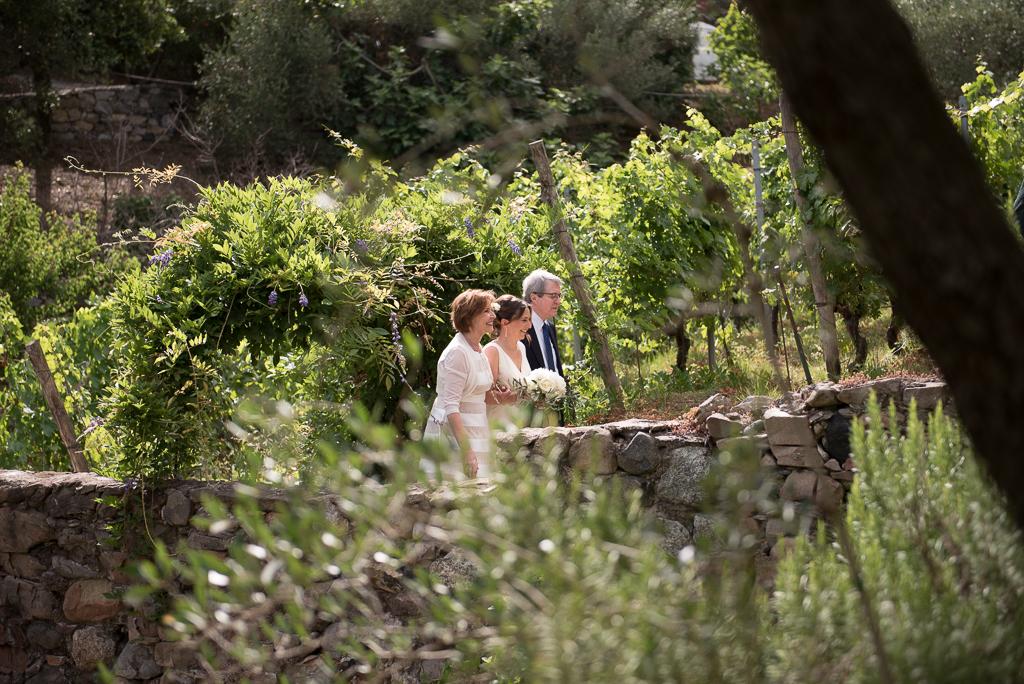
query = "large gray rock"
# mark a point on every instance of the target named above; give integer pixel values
(21, 530)
(721, 427)
(683, 481)
(824, 395)
(799, 486)
(928, 395)
(91, 646)
(641, 456)
(177, 510)
(754, 405)
(716, 403)
(883, 389)
(27, 598)
(594, 452)
(787, 429)
(676, 536)
(552, 444)
(798, 456)
(44, 635)
(454, 569)
(136, 662)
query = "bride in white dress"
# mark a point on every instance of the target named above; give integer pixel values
(506, 355)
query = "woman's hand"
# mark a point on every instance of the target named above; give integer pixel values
(471, 464)
(504, 396)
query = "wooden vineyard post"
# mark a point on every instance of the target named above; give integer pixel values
(56, 405)
(578, 283)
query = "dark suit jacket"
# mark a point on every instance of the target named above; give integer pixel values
(535, 356)
(534, 353)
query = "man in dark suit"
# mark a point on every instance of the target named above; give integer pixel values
(543, 291)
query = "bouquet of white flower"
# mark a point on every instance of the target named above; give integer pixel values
(544, 387)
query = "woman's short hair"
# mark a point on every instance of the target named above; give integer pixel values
(537, 282)
(509, 307)
(468, 305)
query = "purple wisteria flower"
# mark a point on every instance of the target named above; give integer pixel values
(470, 230)
(161, 259)
(396, 336)
(272, 298)
(303, 300)
(362, 246)
(514, 247)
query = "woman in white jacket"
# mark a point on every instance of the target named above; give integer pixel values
(464, 387)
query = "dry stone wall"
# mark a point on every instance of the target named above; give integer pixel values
(130, 114)
(63, 559)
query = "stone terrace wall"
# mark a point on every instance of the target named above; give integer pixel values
(59, 562)
(102, 114)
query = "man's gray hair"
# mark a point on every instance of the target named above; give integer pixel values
(537, 282)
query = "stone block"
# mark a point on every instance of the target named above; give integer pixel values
(136, 662)
(21, 565)
(786, 429)
(21, 530)
(69, 569)
(716, 403)
(721, 427)
(594, 452)
(177, 510)
(824, 395)
(799, 486)
(798, 456)
(87, 601)
(44, 635)
(553, 444)
(642, 455)
(683, 481)
(884, 389)
(928, 395)
(675, 536)
(28, 598)
(828, 496)
(754, 405)
(91, 646)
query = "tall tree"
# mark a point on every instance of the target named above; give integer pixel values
(824, 302)
(858, 84)
(52, 39)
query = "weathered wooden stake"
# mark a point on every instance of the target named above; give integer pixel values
(549, 196)
(796, 331)
(965, 127)
(56, 405)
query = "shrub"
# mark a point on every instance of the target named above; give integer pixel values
(49, 271)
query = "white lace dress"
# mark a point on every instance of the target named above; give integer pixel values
(463, 378)
(510, 416)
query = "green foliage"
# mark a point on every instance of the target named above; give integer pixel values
(952, 35)
(751, 81)
(78, 353)
(996, 122)
(941, 561)
(373, 72)
(48, 273)
(556, 581)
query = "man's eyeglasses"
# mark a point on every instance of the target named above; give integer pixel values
(554, 295)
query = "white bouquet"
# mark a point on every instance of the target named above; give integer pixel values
(544, 386)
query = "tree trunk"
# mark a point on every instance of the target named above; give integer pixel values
(797, 338)
(709, 326)
(823, 300)
(942, 242)
(715, 193)
(578, 283)
(892, 331)
(860, 344)
(41, 164)
(682, 346)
